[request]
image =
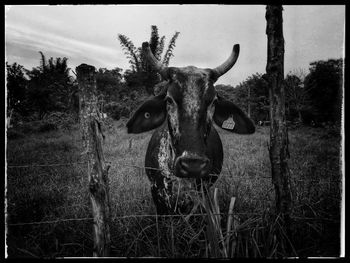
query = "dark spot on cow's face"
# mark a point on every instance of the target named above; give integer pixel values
(190, 104)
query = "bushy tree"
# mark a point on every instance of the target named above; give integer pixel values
(310, 98)
(16, 88)
(141, 74)
(227, 91)
(259, 97)
(297, 95)
(110, 83)
(251, 95)
(324, 83)
(50, 86)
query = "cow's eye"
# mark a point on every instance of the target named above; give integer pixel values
(147, 115)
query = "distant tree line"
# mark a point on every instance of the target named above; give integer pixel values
(45, 88)
(50, 87)
(311, 98)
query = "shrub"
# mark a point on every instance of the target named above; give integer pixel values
(309, 115)
(28, 127)
(124, 108)
(45, 126)
(125, 111)
(58, 120)
(13, 134)
(113, 109)
(50, 122)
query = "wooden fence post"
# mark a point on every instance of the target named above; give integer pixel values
(90, 124)
(278, 149)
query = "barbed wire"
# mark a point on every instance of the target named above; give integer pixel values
(156, 215)
(158, 169)
(42, 165)
(142, 216)
(116, 218)
(49, 221)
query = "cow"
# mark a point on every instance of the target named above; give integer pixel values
(185, 144)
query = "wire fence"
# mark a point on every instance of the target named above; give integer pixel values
(14, 166)
(121, 217)
(160, 216)
(43, 165)
(158, 169)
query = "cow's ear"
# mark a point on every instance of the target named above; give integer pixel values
(229, 117)
(150, 115)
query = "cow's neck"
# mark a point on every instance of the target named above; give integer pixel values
(166, 157)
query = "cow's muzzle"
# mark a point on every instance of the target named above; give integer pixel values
(194, 167)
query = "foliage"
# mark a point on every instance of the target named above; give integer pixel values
(312, 98)
(169, 51)
(50, 87)
(109, 84)
(49, 122)
(297, 96)
(135, 80)
(130, 51)
(125, 106)
(60, 120)
(228, 92)
(113, 109)
(324, 83)
(56, 193)
(13, 134)
(250, 95)
(16, 88)
(141, 74)
(45, 126)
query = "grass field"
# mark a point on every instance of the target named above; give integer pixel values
(50, 193)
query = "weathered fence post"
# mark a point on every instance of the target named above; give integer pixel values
(90, 124)
(278, 149)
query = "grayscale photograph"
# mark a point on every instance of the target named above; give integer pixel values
(174, 131)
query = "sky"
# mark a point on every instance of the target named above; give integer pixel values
(88, 34)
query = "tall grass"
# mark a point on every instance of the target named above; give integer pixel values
(246, 228)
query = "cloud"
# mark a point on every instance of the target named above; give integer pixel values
(87, 34)
(37, 40)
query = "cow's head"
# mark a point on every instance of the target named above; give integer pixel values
(189, 104)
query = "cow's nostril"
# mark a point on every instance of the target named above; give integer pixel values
(184, 164)
(193, 165)
(203, 165)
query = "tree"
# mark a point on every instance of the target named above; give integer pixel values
(16, 88)
(109, 83)
(141, 74)
(324, 83)
(50, 86)
(251, 95)
(258, 96)
(297, 95)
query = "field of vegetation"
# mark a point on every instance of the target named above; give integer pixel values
(48, 205)
(57, 198)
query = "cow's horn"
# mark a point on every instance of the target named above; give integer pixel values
(228, 64)
(157, 65)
